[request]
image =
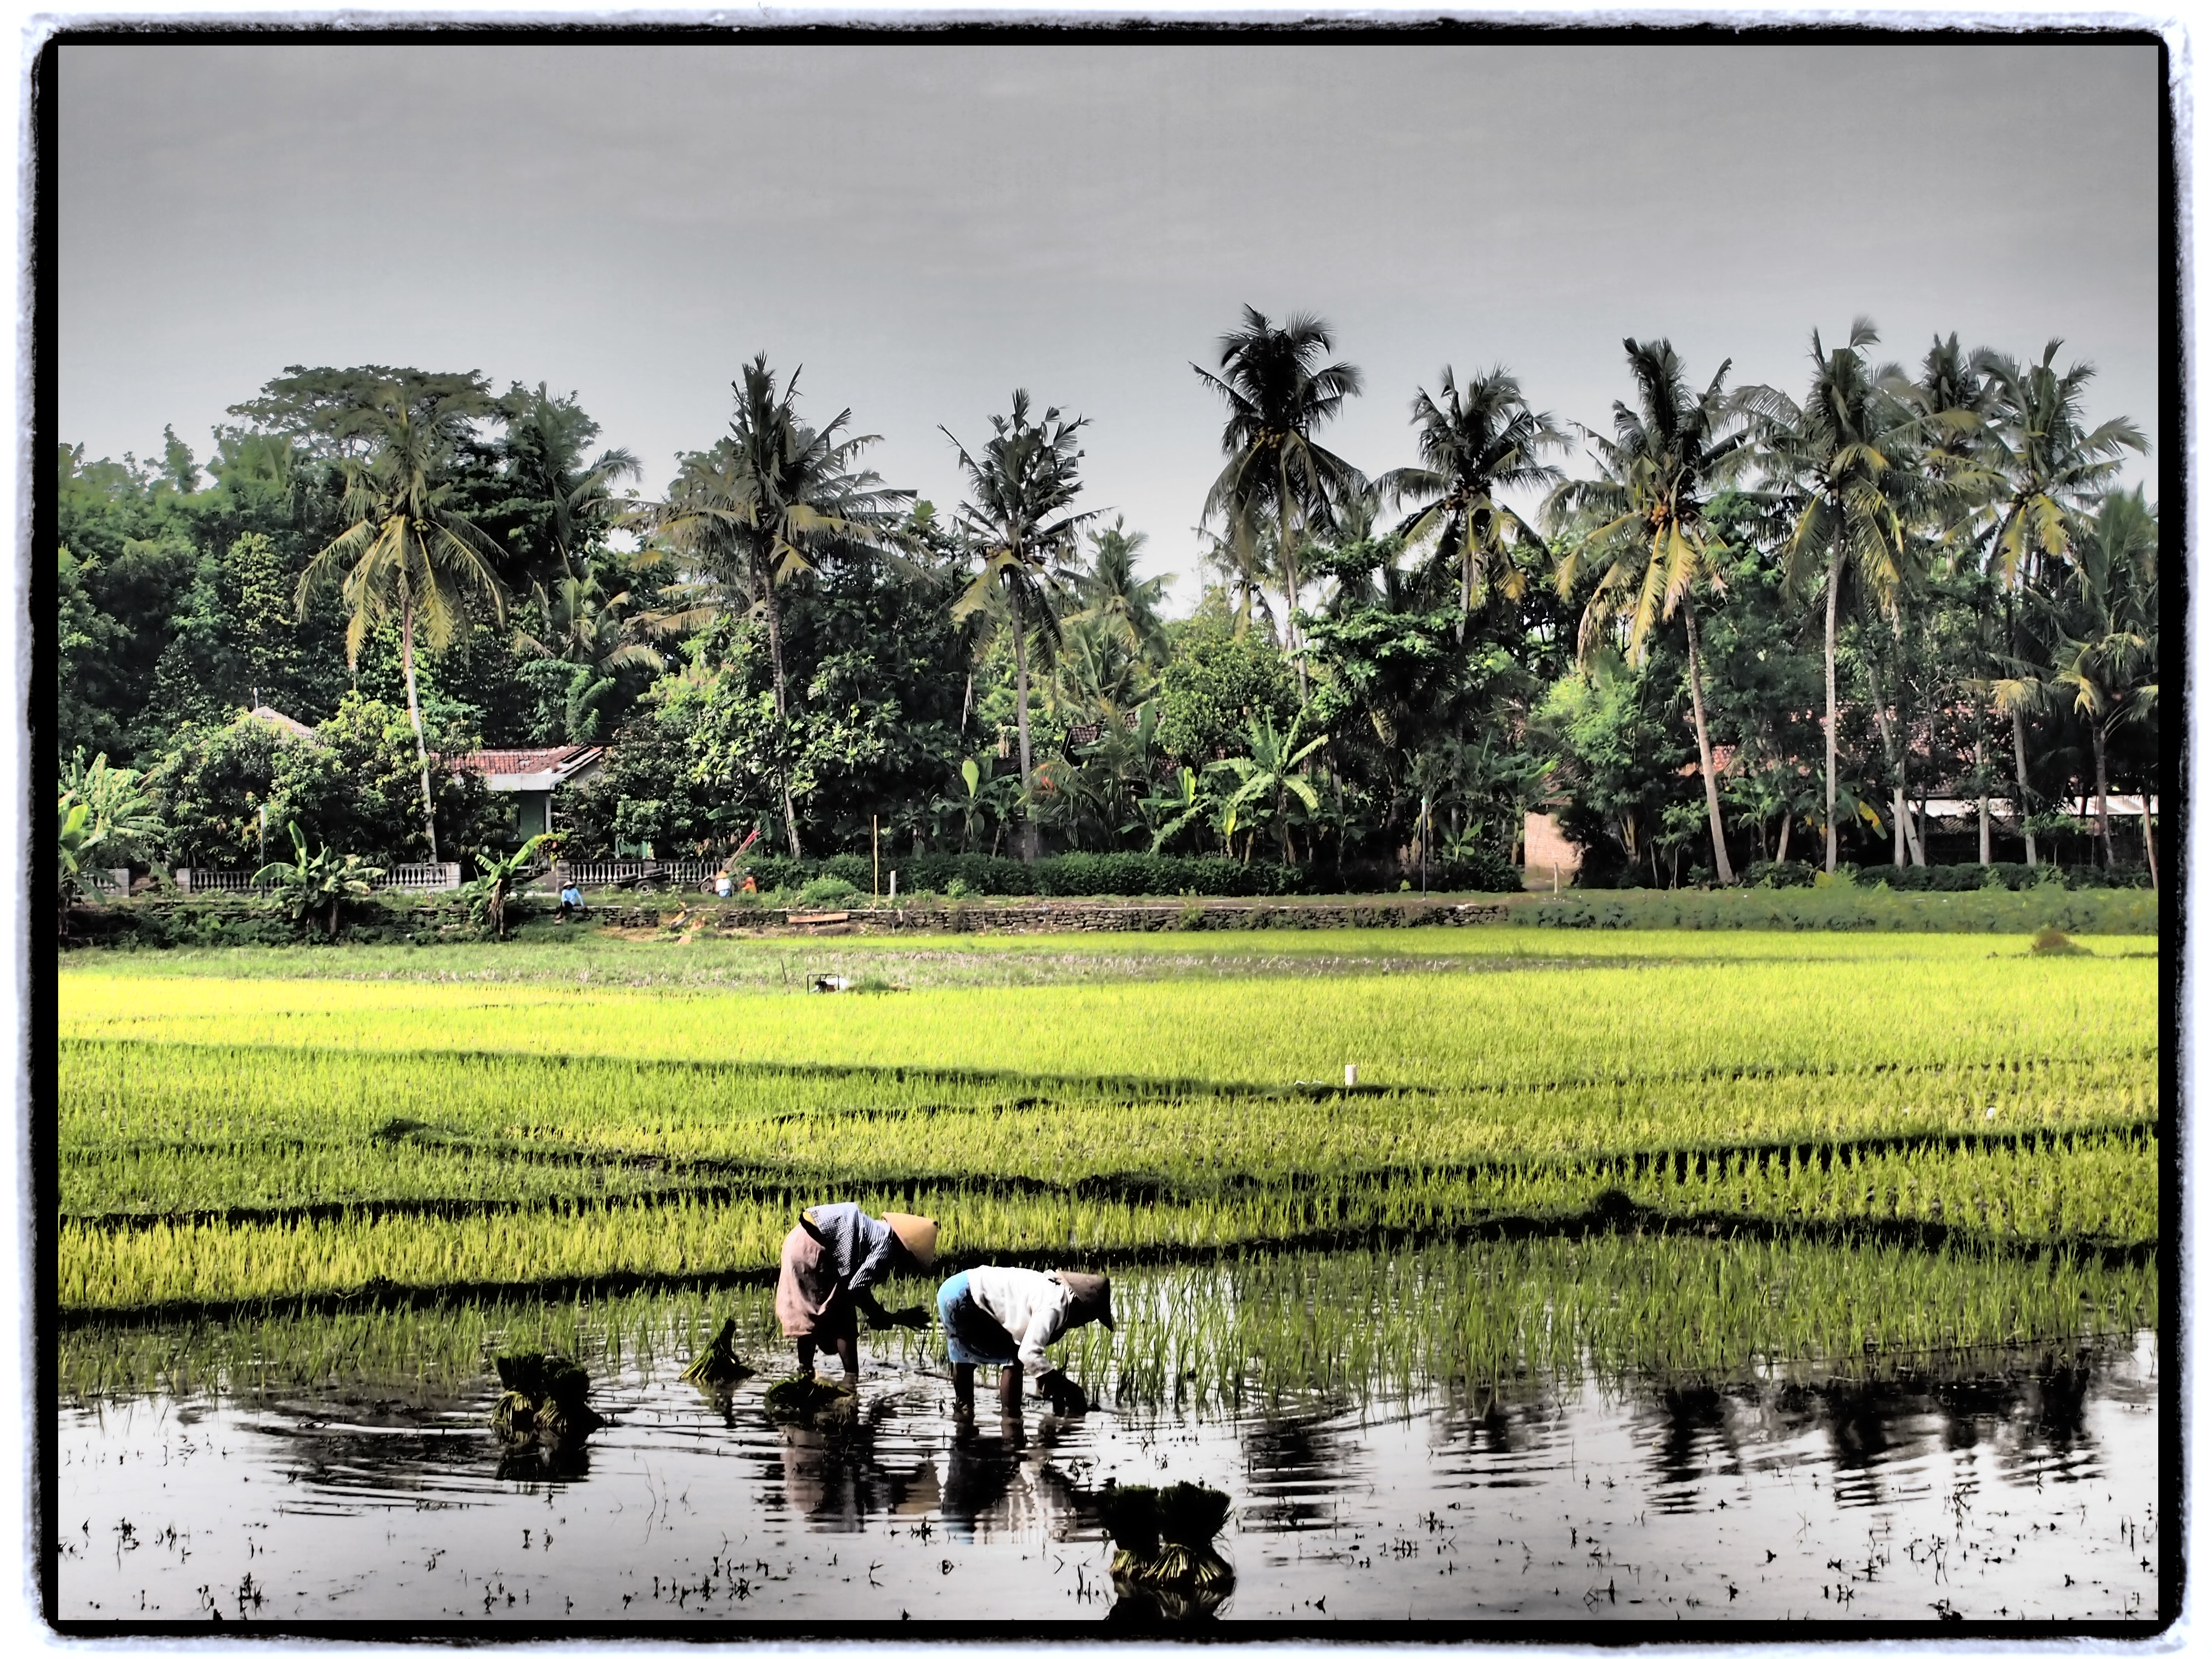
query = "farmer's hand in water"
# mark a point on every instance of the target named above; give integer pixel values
(1066, 1394)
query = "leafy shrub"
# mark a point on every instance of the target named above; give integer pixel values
(1788, 872)
(828, 890)
(1853, 908)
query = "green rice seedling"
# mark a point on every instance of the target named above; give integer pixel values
(545, 1395)
(718, 1366)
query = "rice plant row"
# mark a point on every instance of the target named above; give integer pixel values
(1508, 1316)
(172, 1127)
(2105, 1193)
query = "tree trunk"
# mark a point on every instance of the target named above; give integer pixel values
(1782, 851)
(2020, 766)
(415, 714)
(1835, 580)
(1022, 723)
(2150, 843)
(1290, 572)
(2103, 808)
(764, 579)
(1902, 836)
(1982, 784)
(1722, 870)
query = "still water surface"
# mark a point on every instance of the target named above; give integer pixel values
(2010, 1487)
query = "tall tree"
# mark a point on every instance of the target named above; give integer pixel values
(1022, 486)
(1475, 441)
(1278, 390)
(561, 492)
(2048, 459)
(1951, 401)
(768, 501)
(1843, 460)
(1115, 597)
(407, 553)
(1642, 526)
(2105, 633)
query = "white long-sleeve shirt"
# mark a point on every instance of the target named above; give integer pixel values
(1032, 1306)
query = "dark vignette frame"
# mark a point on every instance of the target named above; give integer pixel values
(41, 1182)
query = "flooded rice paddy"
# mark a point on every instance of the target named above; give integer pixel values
(1998, 1485)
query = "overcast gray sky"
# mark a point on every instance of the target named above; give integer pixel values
(926, 227)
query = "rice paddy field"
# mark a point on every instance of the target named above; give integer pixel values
(1623, 1162)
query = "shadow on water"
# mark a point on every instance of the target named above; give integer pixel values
(1999, 1483)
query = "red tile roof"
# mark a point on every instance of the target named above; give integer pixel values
(566, 758)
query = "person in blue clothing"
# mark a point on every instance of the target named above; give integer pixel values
(832, 1261)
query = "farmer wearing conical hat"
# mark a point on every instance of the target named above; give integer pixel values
(832, 1260)
(1007, 1318)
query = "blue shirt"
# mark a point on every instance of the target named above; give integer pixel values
(861, 1249)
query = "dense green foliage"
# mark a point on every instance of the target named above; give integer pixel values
(1744, 630)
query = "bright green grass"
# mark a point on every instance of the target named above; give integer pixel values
(1694, 1019)
(504, 1134)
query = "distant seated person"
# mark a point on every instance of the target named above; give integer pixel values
(572, 900)
(750, 886)
(832, 1260)
(1007, 1318)
(722, 884)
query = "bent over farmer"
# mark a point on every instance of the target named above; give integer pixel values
(832, 1260)
(1007, 1317)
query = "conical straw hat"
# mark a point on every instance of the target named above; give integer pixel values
(1092, 1296)
(917, 1232)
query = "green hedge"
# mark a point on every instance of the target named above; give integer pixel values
(1104, 875)
(1955, 877)
(1854, 910)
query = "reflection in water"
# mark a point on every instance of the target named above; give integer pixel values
(1442, 1504)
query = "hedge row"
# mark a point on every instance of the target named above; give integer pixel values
(1955, 878)
(1853, 909)
(1102, 875)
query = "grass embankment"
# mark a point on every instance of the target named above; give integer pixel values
(228, 1143)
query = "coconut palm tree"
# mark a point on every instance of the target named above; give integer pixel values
(773, 497)
(2104, 633)
(2048, 459)
(1279, 391)
(1843, 464)
(407, 552)
(767, 503)
(1641, 525)
(590, 630)
(1474, 442)
(1115, 597)
(1951, 401)
(1022, 486)
(556, 481)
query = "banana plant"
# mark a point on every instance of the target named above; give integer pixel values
(316, 884)
(504, 874)
(1268, 776)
